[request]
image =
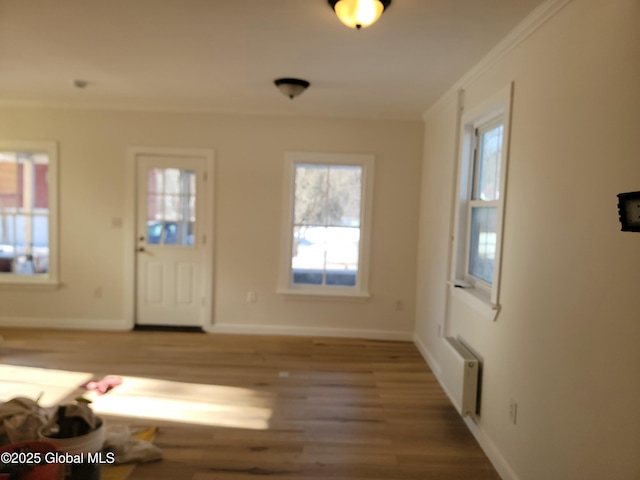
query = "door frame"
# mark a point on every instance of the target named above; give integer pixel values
(129, 227)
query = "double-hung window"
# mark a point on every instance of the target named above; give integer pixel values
(485, 200)
(28, 213)
(327, 224)
(482, 176)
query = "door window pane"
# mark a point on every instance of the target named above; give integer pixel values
(154, 207)
(155, 180)
(171, 206)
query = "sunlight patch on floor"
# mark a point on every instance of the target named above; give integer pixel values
(198, 404)
(56, 386)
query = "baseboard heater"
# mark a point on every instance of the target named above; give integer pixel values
(460, 375)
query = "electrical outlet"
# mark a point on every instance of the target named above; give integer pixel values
(252, 297)
(513, 411)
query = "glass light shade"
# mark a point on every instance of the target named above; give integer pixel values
(358, 13)
(291, 90)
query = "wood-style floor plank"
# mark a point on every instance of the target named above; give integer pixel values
(233, 407)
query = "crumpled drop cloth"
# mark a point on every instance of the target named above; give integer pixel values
(20, 420)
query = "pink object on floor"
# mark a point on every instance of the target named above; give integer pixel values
(103, 385)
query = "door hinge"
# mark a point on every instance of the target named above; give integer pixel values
(204, 239)
(205, 176)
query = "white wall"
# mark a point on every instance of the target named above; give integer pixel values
(249, 183)
(565, 345)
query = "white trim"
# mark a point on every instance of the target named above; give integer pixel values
(361, 289)
(115, 324)
(519, 34)
(499, 105)
(491, 450)
(476, 298)
(127, 107)
(254, 329)
(129, 226)
(426, 354)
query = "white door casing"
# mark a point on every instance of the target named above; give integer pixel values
(173, 240)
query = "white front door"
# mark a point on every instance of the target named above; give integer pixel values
(172, 260)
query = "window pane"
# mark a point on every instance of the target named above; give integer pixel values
(310, 194)
(20, 232)
(40, 231)
(172, 209)
(170, 233)
(308, 256)
(40, 244)
(192, 209)
(343, 199)
(482, 249)
(41, 184)
(189, 239)
(8, 180)
(154, 207)
(172, 181)
(154, 232)
(342, 256)
(6, 243)
(488, 183)
(155, 180)
(188, 182)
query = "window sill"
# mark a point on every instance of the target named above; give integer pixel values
(324, 294)
(477, 299)
(29, 282)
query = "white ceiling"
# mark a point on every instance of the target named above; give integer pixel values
(216, 55)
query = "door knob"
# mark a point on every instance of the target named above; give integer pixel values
(141, 249)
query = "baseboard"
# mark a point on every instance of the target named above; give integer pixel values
(115, 324)
(252, 329)
(490, 449)
(430, 359)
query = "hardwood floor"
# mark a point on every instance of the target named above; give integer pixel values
(244, 407)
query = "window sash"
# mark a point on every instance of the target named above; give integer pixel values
(315, 269)
(28, 223)
(345, 271)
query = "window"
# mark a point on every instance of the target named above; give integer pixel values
(28, 209)
(481, 192)
(171, 206)
(328, 211)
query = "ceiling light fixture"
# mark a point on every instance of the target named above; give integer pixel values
(359, 13)
(291, 87)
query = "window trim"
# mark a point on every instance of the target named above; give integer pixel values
(482, 296)
(50, 279)
(361, 289)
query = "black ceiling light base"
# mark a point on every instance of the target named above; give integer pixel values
(291, 87)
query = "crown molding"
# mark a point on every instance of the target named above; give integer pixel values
(518, 35)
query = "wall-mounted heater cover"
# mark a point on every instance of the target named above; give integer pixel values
(460, 371)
